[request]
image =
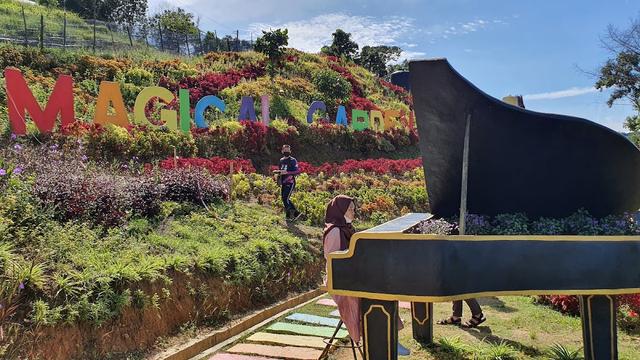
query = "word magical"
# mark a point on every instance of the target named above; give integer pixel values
(61, 102)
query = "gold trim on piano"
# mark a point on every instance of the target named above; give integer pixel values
(396, 235)
(388, 329)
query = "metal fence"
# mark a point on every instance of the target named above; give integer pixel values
(49, 31)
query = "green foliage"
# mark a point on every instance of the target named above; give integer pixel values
(342, 45)
(333, 88)
(559, 352)
(376, 58)
(272, 44)
(499, 351)
(452, 346)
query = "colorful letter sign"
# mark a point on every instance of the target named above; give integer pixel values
(110, 108)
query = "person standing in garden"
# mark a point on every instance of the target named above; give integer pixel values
(287, 172)
(337, 234)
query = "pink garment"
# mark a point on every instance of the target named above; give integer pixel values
(348, 306)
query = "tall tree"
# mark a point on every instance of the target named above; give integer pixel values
(376, 58)
(272, 44)
(129, 13)
(177, 25)
(342, 45)
(622, 72)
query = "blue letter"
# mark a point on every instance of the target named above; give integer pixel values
(315, 106)
(341, 116)
(202, 105)
(247, 111)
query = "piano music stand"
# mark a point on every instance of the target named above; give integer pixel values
(330, 344)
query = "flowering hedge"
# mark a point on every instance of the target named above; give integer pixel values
(376, 166)
(215, 165)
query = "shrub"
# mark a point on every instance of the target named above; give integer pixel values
(511, 224)
(193, 185)
(333, 87)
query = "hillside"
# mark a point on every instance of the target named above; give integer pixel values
(79, 31)
(230, 76)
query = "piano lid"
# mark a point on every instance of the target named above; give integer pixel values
(519, 160)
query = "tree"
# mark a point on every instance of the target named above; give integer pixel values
(272, 44)
(176, 26)
(376, 58)
(342, 45)
(622, 72)
(129, 13)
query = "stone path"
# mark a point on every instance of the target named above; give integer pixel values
(298, 336)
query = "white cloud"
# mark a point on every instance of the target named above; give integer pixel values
(574, 91)
(310, 35)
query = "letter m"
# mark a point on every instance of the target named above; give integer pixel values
(21, 100)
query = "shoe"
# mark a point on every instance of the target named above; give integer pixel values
(403, 351)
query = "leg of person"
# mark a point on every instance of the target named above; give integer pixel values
(284, 193)
(457, 314)
(295, 214)
(477, 317)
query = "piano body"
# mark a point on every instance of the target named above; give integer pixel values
(519, 161)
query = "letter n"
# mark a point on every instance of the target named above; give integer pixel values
(21, 100)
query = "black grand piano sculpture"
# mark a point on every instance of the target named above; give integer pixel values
(517, 161)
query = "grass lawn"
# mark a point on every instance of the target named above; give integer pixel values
(517, 322)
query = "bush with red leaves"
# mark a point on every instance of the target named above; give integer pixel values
(215, 165)
(376, 166)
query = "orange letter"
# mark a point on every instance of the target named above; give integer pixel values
(21, 100)
(110, 93)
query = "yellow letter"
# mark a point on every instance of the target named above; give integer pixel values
(376, 120)
(169, 117)
(110, 94)
(390, 119)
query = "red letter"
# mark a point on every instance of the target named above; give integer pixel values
(21, 100)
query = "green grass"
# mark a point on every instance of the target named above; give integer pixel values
(78, 29)
(516, 328)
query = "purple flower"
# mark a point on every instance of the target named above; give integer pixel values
(84, 158)
(13, 136)
(17, 170)
(21, 286)
(3, 172)
(17, 147)
(54, 147)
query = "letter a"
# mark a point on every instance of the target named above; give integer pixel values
(110, 93)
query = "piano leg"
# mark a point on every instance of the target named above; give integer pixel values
(422, 322)
(599, 328)
(380, 325)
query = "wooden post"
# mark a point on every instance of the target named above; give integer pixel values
(160, 31)
(186, 40)
(465, 178)
(94, 35)
(113, 42)
(380, 325)
(237, 40)
(41, 31)
(129, 34)
(24, 21)
(64, 30)
(422, 322)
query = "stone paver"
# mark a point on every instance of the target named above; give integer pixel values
(321, 331)
(283, 339)
(287, 352)
(327, 302)
(313, 319)
(335, 313)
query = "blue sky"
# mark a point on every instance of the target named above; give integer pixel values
(544, 50)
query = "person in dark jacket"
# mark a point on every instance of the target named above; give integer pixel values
(287, 171)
